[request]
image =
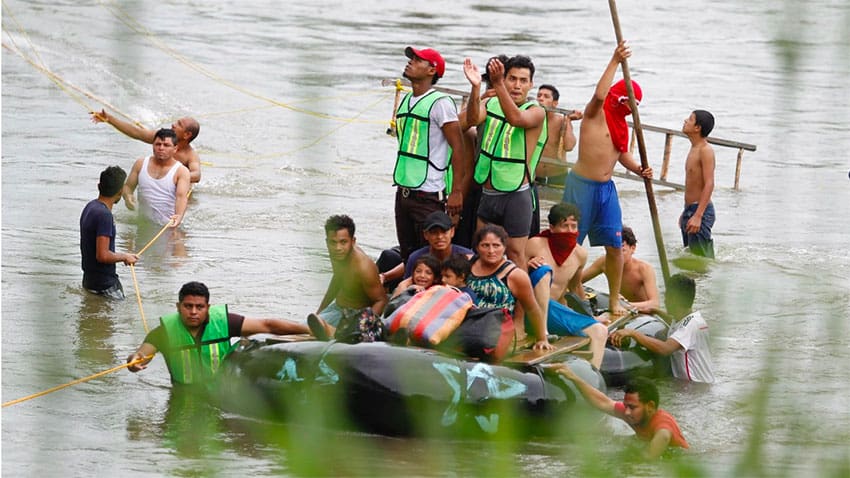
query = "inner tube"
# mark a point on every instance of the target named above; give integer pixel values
(394, 390)
(632, 359)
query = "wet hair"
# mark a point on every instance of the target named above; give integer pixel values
(629, 236)
(485, 77)
(194, 288)
(166, 133)
(646, 390)
(111, 181)
(562, 211)
(494, 229)
(340, 221)
(430, 262)
(556, 95)
(705, 121)
(681, 291)
(459, 264)
(520, 61)
(193, 127)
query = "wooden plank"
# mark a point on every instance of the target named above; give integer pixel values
(272, 338)
(564, 345)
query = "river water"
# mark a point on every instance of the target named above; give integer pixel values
(293, 116)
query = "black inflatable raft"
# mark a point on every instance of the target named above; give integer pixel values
(394, 390)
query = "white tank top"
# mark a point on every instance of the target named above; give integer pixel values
(157, 196)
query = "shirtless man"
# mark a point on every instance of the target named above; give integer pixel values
(552, 168)
(604, 141)
(561, 136)
(514, 133)
(163, 183)
(697, 219)
(355, 292)
(187, 129)
(639, 286)
(555, 263)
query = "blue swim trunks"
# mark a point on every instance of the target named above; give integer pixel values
(561, 320)
(601, 217)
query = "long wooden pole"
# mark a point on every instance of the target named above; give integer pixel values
(650, 196)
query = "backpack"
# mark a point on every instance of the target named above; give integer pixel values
(430, 315)
(486, 333)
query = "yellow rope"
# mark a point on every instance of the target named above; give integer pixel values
(79, 380)
(133, 268)
(132, 24)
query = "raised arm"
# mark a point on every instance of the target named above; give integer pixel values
(528, 118)
(475, 112)
(133, 130)
(594, 106)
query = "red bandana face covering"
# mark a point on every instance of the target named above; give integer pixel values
(560, 243)
(616, 109)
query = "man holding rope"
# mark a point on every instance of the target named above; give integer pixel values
(162, 180)
(97, 237)
(187, 129)
(604, 141)
(196, 339)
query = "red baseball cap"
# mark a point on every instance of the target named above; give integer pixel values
(429, 55)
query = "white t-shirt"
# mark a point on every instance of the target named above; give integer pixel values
(443, 111)
(693, 361)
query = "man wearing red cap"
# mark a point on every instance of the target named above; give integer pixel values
(604, 141)
(429, 141)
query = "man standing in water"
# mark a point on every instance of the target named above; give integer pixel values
(697, 219)
(604, 141)
(195, 340)
(639, 409)
(97, 237)
(512, 140)
(687, 339)
(186, 129)
(427, 127)
(355, 292)
(163, 183)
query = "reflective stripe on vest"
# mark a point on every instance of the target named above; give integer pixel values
(413, 126)
(503, 150)
(196, 362)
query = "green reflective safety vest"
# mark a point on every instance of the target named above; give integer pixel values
(503, 151)
(412, 125)
(192, 362)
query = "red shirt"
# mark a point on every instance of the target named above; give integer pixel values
(661, 420)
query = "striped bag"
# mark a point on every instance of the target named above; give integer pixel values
(430, 316)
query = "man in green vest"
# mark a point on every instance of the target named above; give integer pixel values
(514, 134)
(429, 142)
(195, 340)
